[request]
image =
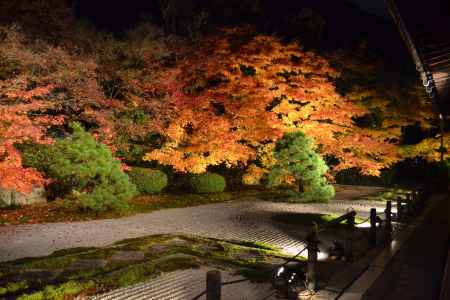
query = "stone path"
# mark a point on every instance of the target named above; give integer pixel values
(187, 284)
(244, 220)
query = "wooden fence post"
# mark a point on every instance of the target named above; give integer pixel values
(213, 285)
(399, 209)
(425, 195)
(388, 225)
(312, 258)
(349, 240)
(415, 201)
(420, 203)
(409, 210)
(420, 199)
(373, 227)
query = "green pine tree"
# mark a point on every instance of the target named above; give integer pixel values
(296, 157)
(92, 173)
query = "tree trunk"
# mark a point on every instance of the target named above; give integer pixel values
(301, 186)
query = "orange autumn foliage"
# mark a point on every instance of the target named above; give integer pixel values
(225, 99)
(16, 127)
(237, 92)
(29, 105)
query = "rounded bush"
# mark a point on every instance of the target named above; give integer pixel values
(148, 181)
(208, 183)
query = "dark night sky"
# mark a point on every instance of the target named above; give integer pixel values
(341, 17)
(377, 7)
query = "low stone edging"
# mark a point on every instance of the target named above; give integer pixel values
(14, 198)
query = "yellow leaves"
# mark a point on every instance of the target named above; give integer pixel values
(289, 90)
(175, 132)
(428, 148)
(254, 175)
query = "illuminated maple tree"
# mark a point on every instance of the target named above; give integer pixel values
(16, 127)
(237, 93)
(34, 86)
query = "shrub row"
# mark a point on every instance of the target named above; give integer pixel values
(150, 181)
(208, 183)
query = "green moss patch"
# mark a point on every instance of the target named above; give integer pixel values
(13, 287)
(308, 219)
(77, 250)
(88, 271)
(51, 263)
(388, 195)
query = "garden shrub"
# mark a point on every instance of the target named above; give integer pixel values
(93, 175)
(297, 161)
(148, 181)
(37, 156)
(208, 183)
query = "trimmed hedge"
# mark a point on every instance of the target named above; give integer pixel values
(208, 183)
(148, 181)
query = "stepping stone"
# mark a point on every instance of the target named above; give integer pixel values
(131, 256)
(275, 261)
(157, 249)
(245, 256)
(210, 248)
(87, 264)
(167, 258)
(177, 242)
(31, 275)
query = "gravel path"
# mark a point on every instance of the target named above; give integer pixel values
(187, 284)
(246, 220)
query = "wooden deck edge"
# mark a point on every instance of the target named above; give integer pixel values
(445, 286)
(364, 282)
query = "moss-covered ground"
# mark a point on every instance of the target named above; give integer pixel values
(308, 219)
(390, 194)
(68, 273)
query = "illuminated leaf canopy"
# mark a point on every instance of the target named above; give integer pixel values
(237, 93)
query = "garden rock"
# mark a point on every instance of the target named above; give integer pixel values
(34, 275)
(131, 256)
(13, 198)
(177, 256)
(158, 249)
(87, 264)
(177, 242)
(246, 256)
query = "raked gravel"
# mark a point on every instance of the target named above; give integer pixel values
(246, 220)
